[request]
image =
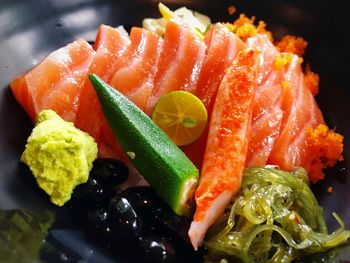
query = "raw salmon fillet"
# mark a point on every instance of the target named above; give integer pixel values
(267, 113)
(180, 62)
(110, 45)
(222, 48)
(56, 82)
(227, 145)
(138, 66)
(300, 112)
(134, 78)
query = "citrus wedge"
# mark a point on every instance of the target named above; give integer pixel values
(181, 115)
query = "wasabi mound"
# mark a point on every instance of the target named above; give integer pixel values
(59, 155)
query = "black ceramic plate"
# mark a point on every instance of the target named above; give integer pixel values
(30, 29)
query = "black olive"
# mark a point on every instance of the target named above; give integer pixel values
(98, 222)
(172, 224)
(91, 194)
(155, 212)
(125, 221)
(109, 172)
(144, 199)
(152, 247)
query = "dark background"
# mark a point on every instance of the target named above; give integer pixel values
(30, 29)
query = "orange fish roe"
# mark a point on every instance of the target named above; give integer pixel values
(231, 10)
(330, 189)
(292, 44)
(311, 80)
(325, 149)
(285, 84)
(244, 28)
(230, 27)
(282, 60)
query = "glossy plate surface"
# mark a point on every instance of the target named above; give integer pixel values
(31, 29)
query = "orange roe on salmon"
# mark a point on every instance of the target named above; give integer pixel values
(230, 27)
(285, 84)
(292, 44)
(311, 80)
(325, 149)
(282, 60)
(244, 27)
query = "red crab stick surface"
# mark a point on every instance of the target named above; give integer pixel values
(180, 62)
(227, 144)
(110, 45)
(222, 49)
(56, 82)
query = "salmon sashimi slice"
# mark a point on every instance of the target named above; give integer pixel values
(267, 113)
(222, 49)
(227, 145)
(180, 62)
(56, 82)
(292, 81)
(110, 45)
(134, 78)
(301, 113)
(138, 66)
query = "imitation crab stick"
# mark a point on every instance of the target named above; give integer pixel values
(227, 144)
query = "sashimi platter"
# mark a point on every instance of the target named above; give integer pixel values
(180, 140)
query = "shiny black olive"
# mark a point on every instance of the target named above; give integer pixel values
(144, 199)
(109, 172)
(98, 221)
(174, 225)
(156, 213)
(91, 194)
(152, 247)
(124, 220)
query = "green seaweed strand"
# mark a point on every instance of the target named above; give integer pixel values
(275, 219)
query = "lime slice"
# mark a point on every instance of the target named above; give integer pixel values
(181, 115)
